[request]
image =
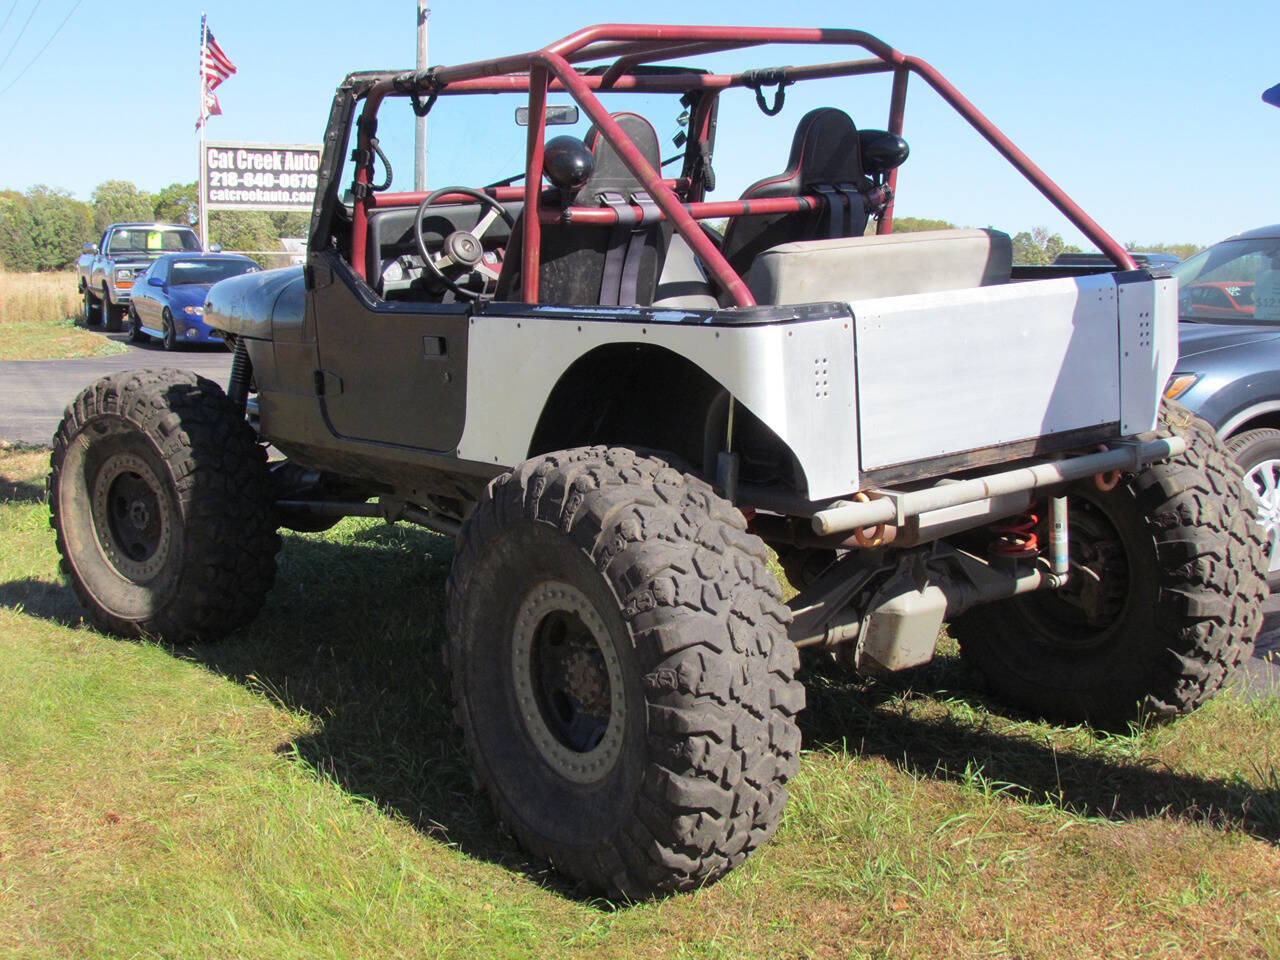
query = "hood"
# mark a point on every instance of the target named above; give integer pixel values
(184, 294)
(1195, 339)
(134, 256)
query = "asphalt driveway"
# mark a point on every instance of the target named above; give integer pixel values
(33, 394)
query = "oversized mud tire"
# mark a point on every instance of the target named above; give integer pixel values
(161, 502)
(622, 672)
(1175, 566)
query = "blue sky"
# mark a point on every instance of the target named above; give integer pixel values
(1149, 115)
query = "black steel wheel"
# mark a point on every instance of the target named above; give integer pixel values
(621, 670)
(1168, 576)
(162, 505)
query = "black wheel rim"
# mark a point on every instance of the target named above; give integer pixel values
(131, 517)
(568, 682)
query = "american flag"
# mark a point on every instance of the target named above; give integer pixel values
(215, 65)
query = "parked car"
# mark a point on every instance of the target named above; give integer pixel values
(168, 299)
(1104, 262)
(1229, 358)
(107, 269)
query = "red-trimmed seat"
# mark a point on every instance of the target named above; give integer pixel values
(825, 161)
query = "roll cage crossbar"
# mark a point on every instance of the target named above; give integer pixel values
(631, 47)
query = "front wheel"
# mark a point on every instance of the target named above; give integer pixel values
(1258, 454)
(161, 502)
(112, 315)
(1168, 576)
(89, 308)
(170, 334)
(621, 670)
(135, 327)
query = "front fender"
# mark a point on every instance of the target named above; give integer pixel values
(256, 305)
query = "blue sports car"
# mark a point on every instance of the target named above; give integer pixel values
(168, 300)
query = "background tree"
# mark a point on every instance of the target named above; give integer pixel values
(1039, 247)
(243, 230)
(914, 225)
(119, 201)
(1180, 250)
(16, 227)
(178, 203)
(60, 226)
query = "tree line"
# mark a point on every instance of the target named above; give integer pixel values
(46, 228)
(1039, 247)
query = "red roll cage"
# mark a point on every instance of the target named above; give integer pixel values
(629, 47)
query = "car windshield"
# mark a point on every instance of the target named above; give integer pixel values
(184, 272)
(152, 240)
(1236, 281)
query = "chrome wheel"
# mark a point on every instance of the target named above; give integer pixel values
(1263, 480)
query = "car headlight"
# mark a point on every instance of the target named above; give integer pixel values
(1179, 384)
(193, 311)
(125, 275)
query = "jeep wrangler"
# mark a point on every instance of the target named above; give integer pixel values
(617, 411)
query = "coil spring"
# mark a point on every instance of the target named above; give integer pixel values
(1016, 537)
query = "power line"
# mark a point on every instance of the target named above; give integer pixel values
(20, 33)
(32, 61)
(8, 15)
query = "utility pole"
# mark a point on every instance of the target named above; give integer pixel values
(420, 123)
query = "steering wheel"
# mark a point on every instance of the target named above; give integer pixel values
(462, 249)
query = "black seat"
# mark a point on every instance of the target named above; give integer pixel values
(591, 264)
(825, 161)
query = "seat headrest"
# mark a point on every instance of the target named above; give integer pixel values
(825, 149)
(610, 172)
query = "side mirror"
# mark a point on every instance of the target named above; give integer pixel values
(881, 151)
(90, 248)
(215, 248)
(155, 281)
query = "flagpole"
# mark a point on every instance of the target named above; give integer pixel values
(204, 119)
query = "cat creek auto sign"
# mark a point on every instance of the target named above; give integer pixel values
(260, 176)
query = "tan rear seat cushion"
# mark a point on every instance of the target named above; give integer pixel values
(860, 268)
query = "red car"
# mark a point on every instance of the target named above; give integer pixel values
(1218, 300)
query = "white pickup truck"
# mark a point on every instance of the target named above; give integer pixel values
(106, 269)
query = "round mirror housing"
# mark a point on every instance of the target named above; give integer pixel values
(567, 162)
(881, 151)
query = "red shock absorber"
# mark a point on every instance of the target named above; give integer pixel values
(1016, 537)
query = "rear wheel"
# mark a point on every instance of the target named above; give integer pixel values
(621, 670)
(161, 502)
(1163, 602)
(1258, 454)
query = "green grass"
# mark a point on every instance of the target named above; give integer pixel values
(39, 319)
(299, 791)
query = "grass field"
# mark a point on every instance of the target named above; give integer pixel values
(298, 791)
(38, 319)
